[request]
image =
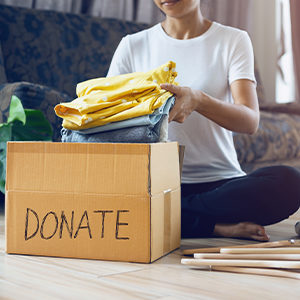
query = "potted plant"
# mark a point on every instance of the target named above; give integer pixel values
(22, 125)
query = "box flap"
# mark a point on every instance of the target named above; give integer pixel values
(165, 223)
(78, 167)
(164, 162)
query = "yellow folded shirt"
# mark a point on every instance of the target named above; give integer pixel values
(105, 100)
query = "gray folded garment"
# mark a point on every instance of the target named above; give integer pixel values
(138, 134)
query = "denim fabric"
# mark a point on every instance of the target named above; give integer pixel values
(138, 134)
(149, 120)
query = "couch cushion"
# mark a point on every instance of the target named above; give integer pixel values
(250, 167)
(36, 97)
(2, 69)
(278, 138)
(288, 108)
(58, 50)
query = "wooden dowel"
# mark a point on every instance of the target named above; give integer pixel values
(242, 263)
(203, 250)
(287, 250)
(248, 256)
(256, 271)
(284, 243)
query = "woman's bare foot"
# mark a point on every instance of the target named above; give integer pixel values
(242, 230)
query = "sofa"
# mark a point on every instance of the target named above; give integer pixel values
(44, 54)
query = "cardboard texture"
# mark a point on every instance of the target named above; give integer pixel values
(98, 201)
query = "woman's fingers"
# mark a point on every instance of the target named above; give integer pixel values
(173, 112)
(174, 89)
(184, 104)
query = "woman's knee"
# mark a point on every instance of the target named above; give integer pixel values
(280, 187)
(288, 183)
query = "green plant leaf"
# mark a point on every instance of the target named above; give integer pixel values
(22, 125)
(16, 111)
(37, 127)
(5, 132)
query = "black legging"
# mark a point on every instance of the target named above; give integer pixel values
(265, 196)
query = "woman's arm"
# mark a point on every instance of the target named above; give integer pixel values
(242, 116)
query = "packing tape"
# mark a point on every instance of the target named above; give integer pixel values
(167, 221)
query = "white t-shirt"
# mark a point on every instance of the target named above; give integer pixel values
(210, 62)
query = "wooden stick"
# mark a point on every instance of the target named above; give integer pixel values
(288, 250)
(284, 243)
(248, 256)
(256, 271)
(242, 263)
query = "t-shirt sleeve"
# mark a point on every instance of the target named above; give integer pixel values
(242, 60)
(120, 63)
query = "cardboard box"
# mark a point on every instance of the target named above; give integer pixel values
(97, 201)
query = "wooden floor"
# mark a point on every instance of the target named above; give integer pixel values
(33, 277)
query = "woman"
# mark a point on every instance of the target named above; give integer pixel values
(216, 96)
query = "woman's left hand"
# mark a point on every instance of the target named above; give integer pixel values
(185, 102)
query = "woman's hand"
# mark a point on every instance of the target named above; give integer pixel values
(185, 102)
(241, 116)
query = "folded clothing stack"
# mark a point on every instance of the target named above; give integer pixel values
(117, 103)
(150, 128)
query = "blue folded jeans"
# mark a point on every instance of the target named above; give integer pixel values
(137, 134)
